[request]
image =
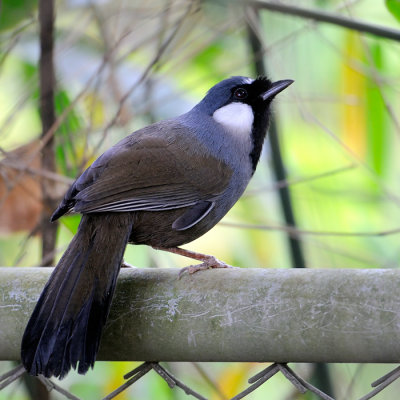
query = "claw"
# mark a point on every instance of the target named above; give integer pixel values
(209, 262)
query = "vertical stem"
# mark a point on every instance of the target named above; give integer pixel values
(285, 199)
(47, 115)
(277, 162)
(321, 372)
(36, 390)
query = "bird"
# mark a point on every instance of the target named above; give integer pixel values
(163, 186)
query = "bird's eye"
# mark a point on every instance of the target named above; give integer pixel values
(240, 93)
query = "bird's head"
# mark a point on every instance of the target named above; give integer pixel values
(241, 106)
(236, 102)
(257, 92)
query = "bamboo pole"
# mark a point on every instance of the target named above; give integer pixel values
(231, 315)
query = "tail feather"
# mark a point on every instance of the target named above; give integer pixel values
(65, 327)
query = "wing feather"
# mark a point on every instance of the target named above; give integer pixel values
(157, 168)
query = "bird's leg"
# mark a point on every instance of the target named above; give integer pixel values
(207, 260)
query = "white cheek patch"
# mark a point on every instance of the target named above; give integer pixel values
(236, 118)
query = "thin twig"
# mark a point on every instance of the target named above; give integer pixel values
(296, 181)
(322, 16)
(377, 179)
(294, 231)
(13, 39)
(50, 385)
(11, 376)
(53, 176)
(61, 118)
(146, 72)
(372, 173)
(376, 79)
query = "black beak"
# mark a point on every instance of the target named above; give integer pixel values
(276, 88)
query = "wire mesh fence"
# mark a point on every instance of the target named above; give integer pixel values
(114, 62)
(301, 385)
(241, 314)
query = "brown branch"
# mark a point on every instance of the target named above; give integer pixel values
(47, 115)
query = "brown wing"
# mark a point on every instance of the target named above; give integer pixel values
(157, 168)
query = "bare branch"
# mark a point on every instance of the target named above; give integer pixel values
(322, 16)
(47, 115)
(295, 231)
(11, 376)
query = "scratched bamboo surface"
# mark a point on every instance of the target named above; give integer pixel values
(231, 315)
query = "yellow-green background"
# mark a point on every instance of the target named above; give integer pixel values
(340, 119)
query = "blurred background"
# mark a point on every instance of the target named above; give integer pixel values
(120, 65)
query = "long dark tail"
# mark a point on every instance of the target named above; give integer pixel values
(65, 327)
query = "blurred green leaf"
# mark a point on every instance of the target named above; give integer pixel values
(334, 107)
(375, 109)
(67, 136)
(71, 222)
(87, 389)
(208, 59)
(13, 12)
(394, 8)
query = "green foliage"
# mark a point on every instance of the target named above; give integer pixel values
(377, 128)
(69, 142)
(68, 139)
(394, 8)
(13, 12)
(71, 222)
(336, 75)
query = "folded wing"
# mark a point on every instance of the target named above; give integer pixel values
(157, 168)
